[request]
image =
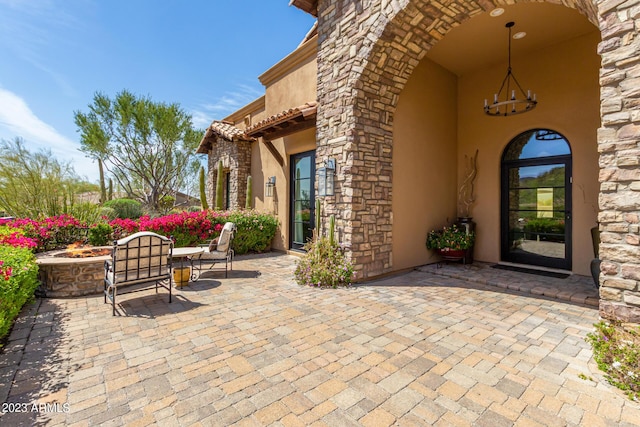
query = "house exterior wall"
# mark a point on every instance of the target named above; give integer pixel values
(424, 162)
(288, 84)
(292, 82)
(569, 104)
(361, 74)
(236, 160)
(435, 127)
(619, 148)
(264, 166)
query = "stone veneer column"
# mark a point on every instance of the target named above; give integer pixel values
(236, 159)
(619, 147)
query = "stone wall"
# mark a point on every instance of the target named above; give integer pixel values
(236, 159)
(367, 51)
(619, 147)
(73, 279)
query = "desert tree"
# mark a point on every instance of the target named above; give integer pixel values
(36, 184)
(148, 147)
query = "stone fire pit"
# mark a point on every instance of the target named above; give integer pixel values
(64, 275)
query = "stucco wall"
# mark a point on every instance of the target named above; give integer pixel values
(424, 160)
(565, 79)
(264, 165)
(292, 81)
(430, 142)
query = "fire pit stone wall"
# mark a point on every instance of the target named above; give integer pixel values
(71, 277)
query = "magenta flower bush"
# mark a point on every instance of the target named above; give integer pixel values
(51, 232)
(255, 230)
(16, 239)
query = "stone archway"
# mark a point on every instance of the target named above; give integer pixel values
(365, 58)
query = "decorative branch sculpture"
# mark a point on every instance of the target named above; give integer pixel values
(466, 197)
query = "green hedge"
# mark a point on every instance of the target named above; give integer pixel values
(18, 281)
(549, 229)
(255, 231)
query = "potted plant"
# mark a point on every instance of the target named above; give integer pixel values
(451, 242)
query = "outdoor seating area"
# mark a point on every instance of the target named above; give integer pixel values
(144, 258)
(421, 347)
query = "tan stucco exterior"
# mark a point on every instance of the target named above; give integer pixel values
(424, 158)
(565, 78)
(436, 126)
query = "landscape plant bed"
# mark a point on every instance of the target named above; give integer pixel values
(616, 350)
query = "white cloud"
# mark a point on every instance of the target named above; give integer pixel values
(225, 105)
(17, 120)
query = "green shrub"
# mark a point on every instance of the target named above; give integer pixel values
(100, 234)
(324, 265)
(203, 189)
(166, 203)
(86, 212)
(249, 194)
(125, 208)
(194, 209)
(108, 213)
(219, 186)
(18, 281)
(545, 226)
(255, 230)
(616, 350)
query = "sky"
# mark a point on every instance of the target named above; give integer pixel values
(205, 55)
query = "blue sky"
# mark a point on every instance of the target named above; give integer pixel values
(205, 55)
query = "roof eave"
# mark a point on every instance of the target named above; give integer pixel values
(309, 6)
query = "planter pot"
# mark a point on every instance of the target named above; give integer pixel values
(470, 226)
(595, 271)
(181, 276)
(451, 254)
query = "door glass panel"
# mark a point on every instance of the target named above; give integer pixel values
(537, 211)
(302, 199)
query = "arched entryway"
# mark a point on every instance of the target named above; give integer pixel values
(536, 196)
(363, 120)
(361, 75)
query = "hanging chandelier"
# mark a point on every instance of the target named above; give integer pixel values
(512, 104)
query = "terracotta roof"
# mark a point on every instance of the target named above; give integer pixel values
(286, 122)
(309, 6)
(224, 130)
(279, 125)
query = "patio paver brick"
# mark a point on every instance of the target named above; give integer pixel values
(435, 346)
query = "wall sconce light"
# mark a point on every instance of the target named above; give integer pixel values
(326, 181)
(269, 186)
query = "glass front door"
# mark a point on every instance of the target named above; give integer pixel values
(536, 200)
(302, 214)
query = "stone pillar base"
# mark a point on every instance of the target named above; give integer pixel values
(624, 313)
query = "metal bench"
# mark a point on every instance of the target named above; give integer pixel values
(143, 258)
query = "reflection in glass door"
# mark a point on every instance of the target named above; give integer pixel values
(536, 200)
(302, 214)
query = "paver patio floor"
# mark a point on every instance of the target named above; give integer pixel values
(256, 349)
